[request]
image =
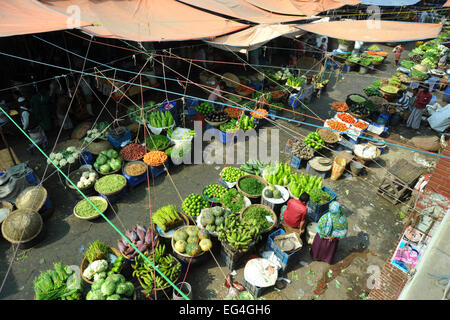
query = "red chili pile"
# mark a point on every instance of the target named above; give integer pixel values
(132, 152)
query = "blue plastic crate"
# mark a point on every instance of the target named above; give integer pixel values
(134, 181)
(296, 162)
(234, 260)
(294, 100)
(87, 157)
(156, 171)
(170, 106)
(272, 114)
(285, 259)
(117, 141)
(31, 178)
(383, 119)
(190, 111)
(317, 210)
(114, 198)
(192, 102)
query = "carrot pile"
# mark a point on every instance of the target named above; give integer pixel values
(336, 125)
(361, 125)
(243, 89)
(339, 106)
(233, 112)
(155, 158)
(257, 115)
(346, 118)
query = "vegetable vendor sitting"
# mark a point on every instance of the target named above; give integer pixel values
(293, 214)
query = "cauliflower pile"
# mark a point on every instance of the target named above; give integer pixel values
(87, 179)
(67, 156)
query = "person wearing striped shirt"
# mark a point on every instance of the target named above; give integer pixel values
(403, 102)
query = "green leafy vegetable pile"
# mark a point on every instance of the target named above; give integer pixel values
(157, 142)
(251, 186)
(258, 215)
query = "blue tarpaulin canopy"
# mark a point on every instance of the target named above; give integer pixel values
(390, 3)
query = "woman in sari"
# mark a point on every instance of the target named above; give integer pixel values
(332, 226)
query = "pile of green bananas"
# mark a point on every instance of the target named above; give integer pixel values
(167, 264)
(238, 234)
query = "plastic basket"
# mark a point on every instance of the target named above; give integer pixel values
(286, 259)
(133, 181)
(317, 210)
(118, 141)
(272, 114)
(296, 162)
(156, 171)
(257, 291)
(234, 260)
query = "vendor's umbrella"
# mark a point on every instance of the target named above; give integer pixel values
(32, 198)
(231, 80)
(21, 226)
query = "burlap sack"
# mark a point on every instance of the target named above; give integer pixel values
(429, 143)
(81, 130)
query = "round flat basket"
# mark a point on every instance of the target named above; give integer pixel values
(94, 216)
(251, 196)
(262, 206)
(284, 195)
(129, 146)
(185, 257)
(216, 124)
(378, 101)
(328, 136)
(378, 153)
(85, 264)
(125, 166)
(32, 198)
(22, 226)
(169, 233)
(97, 147)
(114, 192)
(231, 80)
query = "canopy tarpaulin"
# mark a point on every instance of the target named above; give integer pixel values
(389, 3)
(148, 20)
(241, 9)
(253, 37)
(31, 16)
(301, 7)
(374, 31)
(447, 4)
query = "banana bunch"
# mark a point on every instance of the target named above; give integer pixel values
(167, 218)
(238, 234)
(167, 264)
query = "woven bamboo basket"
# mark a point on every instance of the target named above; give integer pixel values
(94, 216)
(185, 257)
(274, 216)
(85, 264)
(115, 192)
(251, 196)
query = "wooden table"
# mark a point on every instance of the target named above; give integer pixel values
(399, 177)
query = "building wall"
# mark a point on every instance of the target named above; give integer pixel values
(392, 279)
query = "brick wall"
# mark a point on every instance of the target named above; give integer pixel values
(392, 280)
(440, 178)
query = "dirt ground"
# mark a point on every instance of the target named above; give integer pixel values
(374, 223)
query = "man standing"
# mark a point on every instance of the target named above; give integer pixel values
(30, 124)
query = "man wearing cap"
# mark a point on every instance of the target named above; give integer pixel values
(294, 213)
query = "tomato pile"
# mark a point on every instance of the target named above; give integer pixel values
(339, 106)
(132, 152)
(233, 112)
(258, 114)
(336, 125)
(346, 118)
(361, 125)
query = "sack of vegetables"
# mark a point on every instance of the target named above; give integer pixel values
(108, 162)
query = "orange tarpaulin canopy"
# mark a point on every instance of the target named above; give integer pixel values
(241, 9)
(447, 4)
(148, 20)
(30, 16)
(370, 31)
(301, 7)
(254, 37)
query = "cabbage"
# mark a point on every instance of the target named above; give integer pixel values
(97, 285)
(130, 289)
(117, 278)
(113, 297)
(121, 288)
(95, 295)
(108, 287)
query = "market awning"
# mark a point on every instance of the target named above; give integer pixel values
(447, 4)
(389, 3)
(148, 20)
(301, 7)
(254, 37)
(241, 9)
(30, 16)
(370, 31)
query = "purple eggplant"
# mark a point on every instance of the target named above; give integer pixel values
(125, 242)
(129, 250)
(121, 246)
(142, 228)
(128, 234)
(142, 247)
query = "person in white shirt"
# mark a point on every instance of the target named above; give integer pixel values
(31, 125)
